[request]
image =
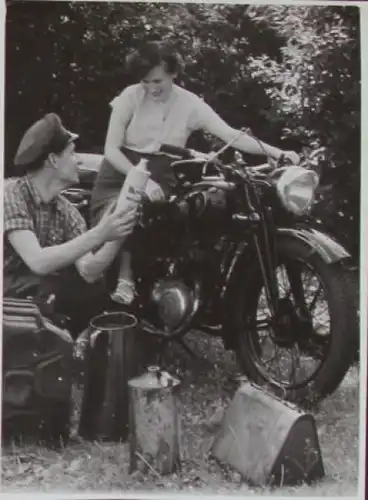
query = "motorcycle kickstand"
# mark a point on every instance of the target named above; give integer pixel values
(182, 343)
(164, 343)
(202, 362)
(186, 348)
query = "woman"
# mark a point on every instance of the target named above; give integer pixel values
(146, 115)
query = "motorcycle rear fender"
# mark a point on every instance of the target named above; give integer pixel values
(327, 248)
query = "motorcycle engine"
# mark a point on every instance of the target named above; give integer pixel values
(174, 302)
(204, 204)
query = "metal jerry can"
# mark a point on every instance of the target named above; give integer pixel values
(269, 441)
(154, 422)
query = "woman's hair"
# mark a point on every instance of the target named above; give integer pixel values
(140, 62)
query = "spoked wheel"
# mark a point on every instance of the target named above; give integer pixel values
(304, 349)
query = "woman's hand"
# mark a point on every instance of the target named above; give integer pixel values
(292, 157)
(154, 191)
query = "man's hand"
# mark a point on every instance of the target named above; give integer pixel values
(114, 226)
(154, 191)
(119, 224)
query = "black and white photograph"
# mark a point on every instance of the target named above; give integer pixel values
(183, 278)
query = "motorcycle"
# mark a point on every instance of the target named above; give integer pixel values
(235, 253)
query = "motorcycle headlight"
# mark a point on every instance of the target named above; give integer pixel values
(296, 188)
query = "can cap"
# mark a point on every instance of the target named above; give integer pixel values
(142, 165)
(154, 378)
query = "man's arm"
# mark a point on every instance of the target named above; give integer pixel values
(92, 266)
(20, 231)
(47, 260)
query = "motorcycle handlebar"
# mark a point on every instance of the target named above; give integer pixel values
(316, 152)
(264, 167)
(188, 154)
(191, 154)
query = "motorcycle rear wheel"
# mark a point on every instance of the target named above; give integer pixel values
(339, 344)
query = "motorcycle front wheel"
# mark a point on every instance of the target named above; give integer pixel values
(303, 351)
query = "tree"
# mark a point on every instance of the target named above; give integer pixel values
(315, 92)
(291, 73)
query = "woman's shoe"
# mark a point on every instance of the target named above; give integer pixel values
(124, 292)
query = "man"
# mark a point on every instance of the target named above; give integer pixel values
(44, 234)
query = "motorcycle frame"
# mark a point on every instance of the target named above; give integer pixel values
(256, 242)
(258, 230)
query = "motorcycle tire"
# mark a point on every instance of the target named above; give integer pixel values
(344, 330)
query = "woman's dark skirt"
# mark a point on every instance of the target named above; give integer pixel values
(107, 188)
(109, 181)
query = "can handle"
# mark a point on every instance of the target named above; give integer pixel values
(94, 336)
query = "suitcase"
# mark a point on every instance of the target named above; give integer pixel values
(36, 375)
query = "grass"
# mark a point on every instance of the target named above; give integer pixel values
(208, 385)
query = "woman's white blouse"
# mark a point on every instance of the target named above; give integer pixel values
(152, 123)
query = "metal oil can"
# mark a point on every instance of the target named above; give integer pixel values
(154, 422)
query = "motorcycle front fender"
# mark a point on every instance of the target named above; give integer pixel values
(328, 249)
(245, 266)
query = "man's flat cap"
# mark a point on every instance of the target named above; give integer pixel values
(46, 136)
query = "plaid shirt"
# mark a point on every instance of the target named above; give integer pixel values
(53, 223)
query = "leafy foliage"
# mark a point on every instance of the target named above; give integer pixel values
(291, 73)
(315, 91)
